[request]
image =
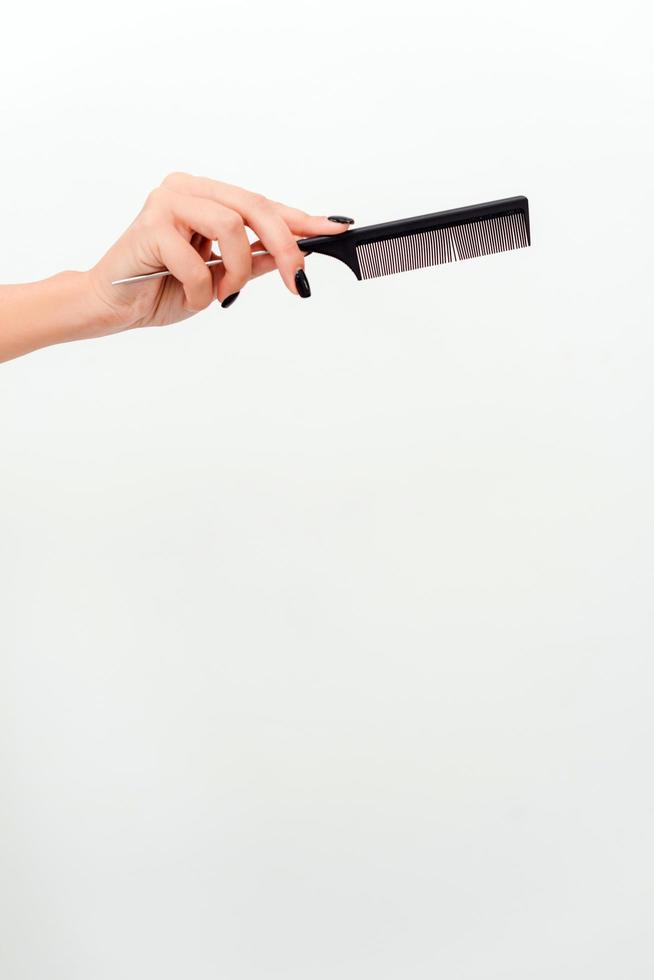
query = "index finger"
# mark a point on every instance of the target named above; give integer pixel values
(243, 201)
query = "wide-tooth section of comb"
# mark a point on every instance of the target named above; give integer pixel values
(467, 240)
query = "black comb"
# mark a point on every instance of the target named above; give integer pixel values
(431, 239)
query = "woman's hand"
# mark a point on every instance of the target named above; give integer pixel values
(175, 230)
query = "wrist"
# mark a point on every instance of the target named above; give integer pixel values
(86, 312)
(68, 307)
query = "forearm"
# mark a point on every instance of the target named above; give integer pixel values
(37, 314)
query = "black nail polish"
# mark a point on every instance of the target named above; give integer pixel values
(302, 284)
(227, 302)
(339, 219)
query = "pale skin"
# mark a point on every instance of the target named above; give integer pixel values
(176, 229)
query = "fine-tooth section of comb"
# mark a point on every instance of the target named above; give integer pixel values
(430, 239)
(483, 236)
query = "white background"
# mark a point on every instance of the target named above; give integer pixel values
(326, 625)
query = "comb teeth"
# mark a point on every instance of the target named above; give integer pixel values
(482, 236)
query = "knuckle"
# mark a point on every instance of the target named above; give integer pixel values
(231, 221)
(155, 200)
(174, 178)
(258, 202)
(237, 274)
(239, 277)
(150, 201)
(289, 250)
(151, 219)
(196, 298)
(198, 278)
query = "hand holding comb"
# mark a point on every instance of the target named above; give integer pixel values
(417, 243)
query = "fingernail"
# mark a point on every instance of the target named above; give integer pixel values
(302, 284)
(340, 220)
(230, 299)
